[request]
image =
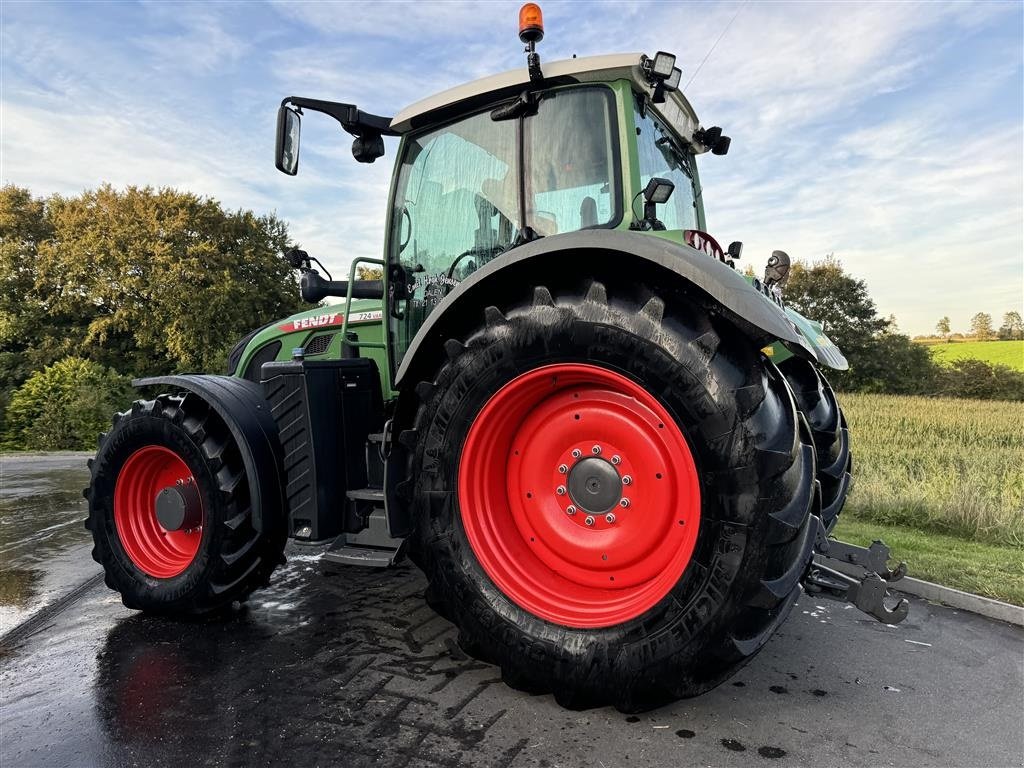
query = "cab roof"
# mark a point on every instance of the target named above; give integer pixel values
(461, 99)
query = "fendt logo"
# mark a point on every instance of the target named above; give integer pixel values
(328, 320)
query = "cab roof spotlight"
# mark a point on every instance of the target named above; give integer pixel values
(662, 64)
(672, 81)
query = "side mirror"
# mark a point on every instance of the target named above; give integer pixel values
(735, 249)
(286, 155)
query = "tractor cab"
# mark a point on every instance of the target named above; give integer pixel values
(586, 144)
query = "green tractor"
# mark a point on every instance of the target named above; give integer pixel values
(614, 457)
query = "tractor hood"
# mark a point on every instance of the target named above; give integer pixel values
(276, 340)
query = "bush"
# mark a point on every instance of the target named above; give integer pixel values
(64, 407)
(968, 377)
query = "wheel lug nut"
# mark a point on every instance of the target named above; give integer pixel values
(626, 479)
(623, 503)
(596, 450)
(616, 459)
(562, 469)
(589, 520)
(560, 490)
(609, 518)
(570, 510)
(576, 453)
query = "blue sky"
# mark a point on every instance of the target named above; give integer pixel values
(889, 134)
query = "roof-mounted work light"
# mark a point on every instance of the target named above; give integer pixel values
(662, 64)
(672, 81)
(662, 73)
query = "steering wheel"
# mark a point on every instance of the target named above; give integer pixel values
(481, 252)
(702, 241)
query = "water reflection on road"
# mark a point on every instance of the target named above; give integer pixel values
(44, 548)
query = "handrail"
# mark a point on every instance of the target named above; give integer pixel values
(348, 304)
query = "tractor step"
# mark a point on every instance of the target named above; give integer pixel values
(375, 495)
(371, 557)
(373, 547)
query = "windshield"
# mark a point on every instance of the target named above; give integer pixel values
(460, 202)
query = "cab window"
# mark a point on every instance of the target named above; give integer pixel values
(660, 156)
(570, 160)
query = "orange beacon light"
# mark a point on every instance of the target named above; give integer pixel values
(531, 23)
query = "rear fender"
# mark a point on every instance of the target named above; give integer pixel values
(679, 271)
(240, 403)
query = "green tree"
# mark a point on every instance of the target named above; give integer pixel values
(981, 325)
(141, 280)
(23, 318)
(942, 327)
(881, 359)
(369, 273)
(1012, 327)
(64, 406)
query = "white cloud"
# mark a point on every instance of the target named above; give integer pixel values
(861, 129)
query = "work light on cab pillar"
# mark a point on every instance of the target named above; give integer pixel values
(531, 32)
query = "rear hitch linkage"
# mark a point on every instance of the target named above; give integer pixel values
(866, 592)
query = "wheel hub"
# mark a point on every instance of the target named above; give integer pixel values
(594, 485)
(178, 507)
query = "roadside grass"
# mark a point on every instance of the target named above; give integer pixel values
(943, 465)
(984, 569)
(1008, 353)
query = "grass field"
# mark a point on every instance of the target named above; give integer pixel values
(942, 480)
(1008, 353)
(972, 566)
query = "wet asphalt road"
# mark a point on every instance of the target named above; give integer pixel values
(348, 667)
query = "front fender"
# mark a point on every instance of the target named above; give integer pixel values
(609, 254)
(241, 405)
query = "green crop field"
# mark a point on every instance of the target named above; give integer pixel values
(1008, 353)
(943, 479)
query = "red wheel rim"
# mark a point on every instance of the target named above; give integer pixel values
(518, 476)
(155, 550)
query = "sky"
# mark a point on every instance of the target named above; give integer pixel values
(889, 134)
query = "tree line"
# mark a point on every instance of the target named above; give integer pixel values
(108, 285)
(882, 359)
(1012, 328)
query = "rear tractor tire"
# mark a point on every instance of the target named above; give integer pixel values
(614, 501)
(817, 402)
(169, 511)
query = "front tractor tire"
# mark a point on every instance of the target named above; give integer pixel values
(169, 511)
(614, 500)
(816, 400)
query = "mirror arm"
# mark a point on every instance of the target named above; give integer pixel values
(353, 120)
